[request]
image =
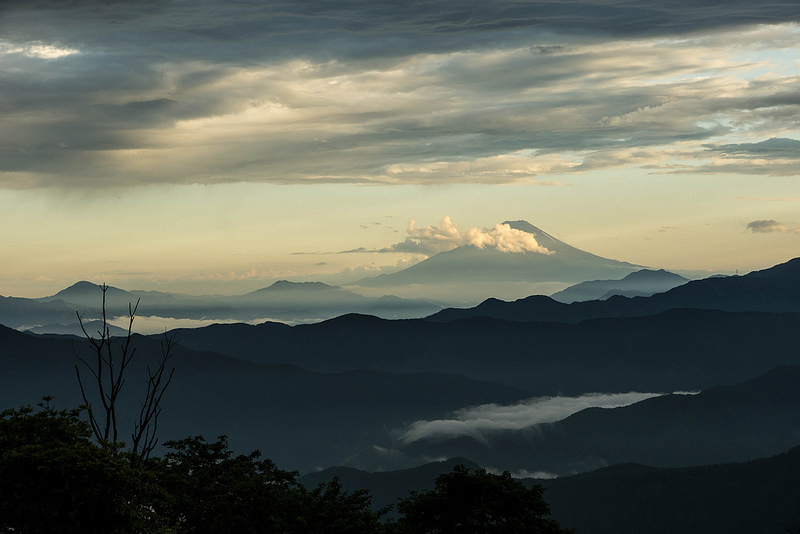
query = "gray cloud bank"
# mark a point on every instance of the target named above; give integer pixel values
(295, 27)
(97, 93)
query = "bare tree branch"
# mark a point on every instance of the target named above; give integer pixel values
(145, 431)
(109, 373)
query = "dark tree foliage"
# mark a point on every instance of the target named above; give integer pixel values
(209, 490)
(476, 503)
(55, 478)
(328, 509)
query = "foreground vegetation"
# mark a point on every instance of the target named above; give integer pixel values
(55, 477)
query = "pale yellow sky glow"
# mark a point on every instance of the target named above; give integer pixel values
(167, 157)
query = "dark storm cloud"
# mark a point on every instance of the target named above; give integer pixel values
(431, 91)
(771, 148)
(357, 29)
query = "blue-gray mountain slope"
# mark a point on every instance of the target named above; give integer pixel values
(640, 283)
(776, 289)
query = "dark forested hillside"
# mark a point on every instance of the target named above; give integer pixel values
(757, 496)
(676, 350)
(734, 498)
(754, 419)
(301, 419)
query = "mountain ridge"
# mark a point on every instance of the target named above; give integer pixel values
(282, 300)
(644, 282)
(775, 289)
(675, 430)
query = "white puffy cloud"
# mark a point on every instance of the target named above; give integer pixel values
(446, 236)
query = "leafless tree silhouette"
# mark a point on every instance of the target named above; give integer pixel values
(108, 366)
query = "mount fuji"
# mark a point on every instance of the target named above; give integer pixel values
(469, 264)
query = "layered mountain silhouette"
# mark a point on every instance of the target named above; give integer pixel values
(637, 284)
(470, 264)
(301, 419)
(680, 349)
(776, 289)
(283, 300)
(315, 395)
(26, 313)
(750, 420)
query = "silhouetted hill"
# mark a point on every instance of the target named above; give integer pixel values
(734, 498)
(282, 286)
(90, 295)
(87, 297)
(754, 419)
(315, 300)
(756, 496)
(776, 289)
(301, 419)
(675, 350)
(640, 283)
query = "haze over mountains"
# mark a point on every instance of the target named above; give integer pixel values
(535, 262)
(594, 379)
(282, 300)
(501, 359)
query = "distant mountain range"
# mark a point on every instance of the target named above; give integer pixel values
(776, 289)
(462, 276)
(637, 284)
(470, 264)
(283, 300)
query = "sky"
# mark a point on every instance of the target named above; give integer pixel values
(215, 147)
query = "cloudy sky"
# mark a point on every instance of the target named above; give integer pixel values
(216, 146)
